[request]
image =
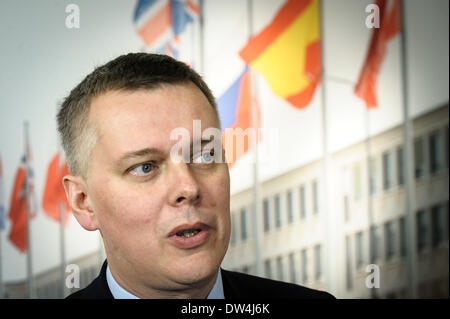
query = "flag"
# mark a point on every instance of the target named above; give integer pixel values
(160, 22)
(23, 190)
(170, 48)
(389, 27)
(54, 193)
(2, 198)
(184, 12)
(17, 210)
(235, 111)
(18, 206)
(287, 52)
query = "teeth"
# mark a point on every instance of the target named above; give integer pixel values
(188, 233)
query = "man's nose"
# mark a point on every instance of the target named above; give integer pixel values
(185, 188)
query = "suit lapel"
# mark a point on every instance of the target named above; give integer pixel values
(231, 289)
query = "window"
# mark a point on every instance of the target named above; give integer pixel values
(233, 230)
(317, 262)
(402, 225)
(280, 268)
(359, 249)
(391, 295)
(243, 224)
(357, 180)
(446, 221)
(245, 269)
(302, 202)
(374, 243)
(400, 166)
(419, 159)
(292, 275)
(348, 264)
(266, 215)
(268, 269)
(304, 266)
(277, 211)
(346, 208)
(389, 231)
(446, 146)
(387, 171)
(373, 176)
(289, 207)
(436, 152)
(422, 230)
(437, 225)
(315, 191)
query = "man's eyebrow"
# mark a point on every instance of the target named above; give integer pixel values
(206, 140)
(148, 151)
(139, 153)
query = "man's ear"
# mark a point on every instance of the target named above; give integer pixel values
(79, 202)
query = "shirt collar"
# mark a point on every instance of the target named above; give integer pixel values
(120, 293)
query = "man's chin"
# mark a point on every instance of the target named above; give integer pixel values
(195, 272)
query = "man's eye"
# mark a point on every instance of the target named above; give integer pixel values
(206, 157)
(142, 169)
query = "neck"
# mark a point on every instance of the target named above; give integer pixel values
(197, 290)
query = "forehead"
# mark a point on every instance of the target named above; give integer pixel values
(145, 118)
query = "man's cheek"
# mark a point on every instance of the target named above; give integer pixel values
(115, 205)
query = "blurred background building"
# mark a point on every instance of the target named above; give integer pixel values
(293, 240)
(318, 202)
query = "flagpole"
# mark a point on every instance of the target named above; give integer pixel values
(62, 240)
(28, 214)
(201, 21)
(326, 158)
(101, 257)
(256, 185)
(2, 225)
(62, 223)
(2, 291)
(1, 268)
(408, 168)
(373, 293)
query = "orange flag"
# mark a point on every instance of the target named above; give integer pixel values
(18, 209)
(287, 52)
(389, 27)
(54, 192)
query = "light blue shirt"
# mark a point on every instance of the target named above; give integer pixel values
(119, 293)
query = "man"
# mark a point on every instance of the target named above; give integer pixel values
(165, 223)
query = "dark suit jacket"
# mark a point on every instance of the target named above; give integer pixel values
(235, 285)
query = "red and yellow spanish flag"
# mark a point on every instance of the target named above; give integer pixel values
(287, 52)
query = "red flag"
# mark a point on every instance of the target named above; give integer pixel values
(18, 209)
(54, 192)
(389, 27)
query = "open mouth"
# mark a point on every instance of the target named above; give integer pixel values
(188, 236)
(188, 233)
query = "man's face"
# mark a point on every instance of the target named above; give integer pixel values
(141, 198)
